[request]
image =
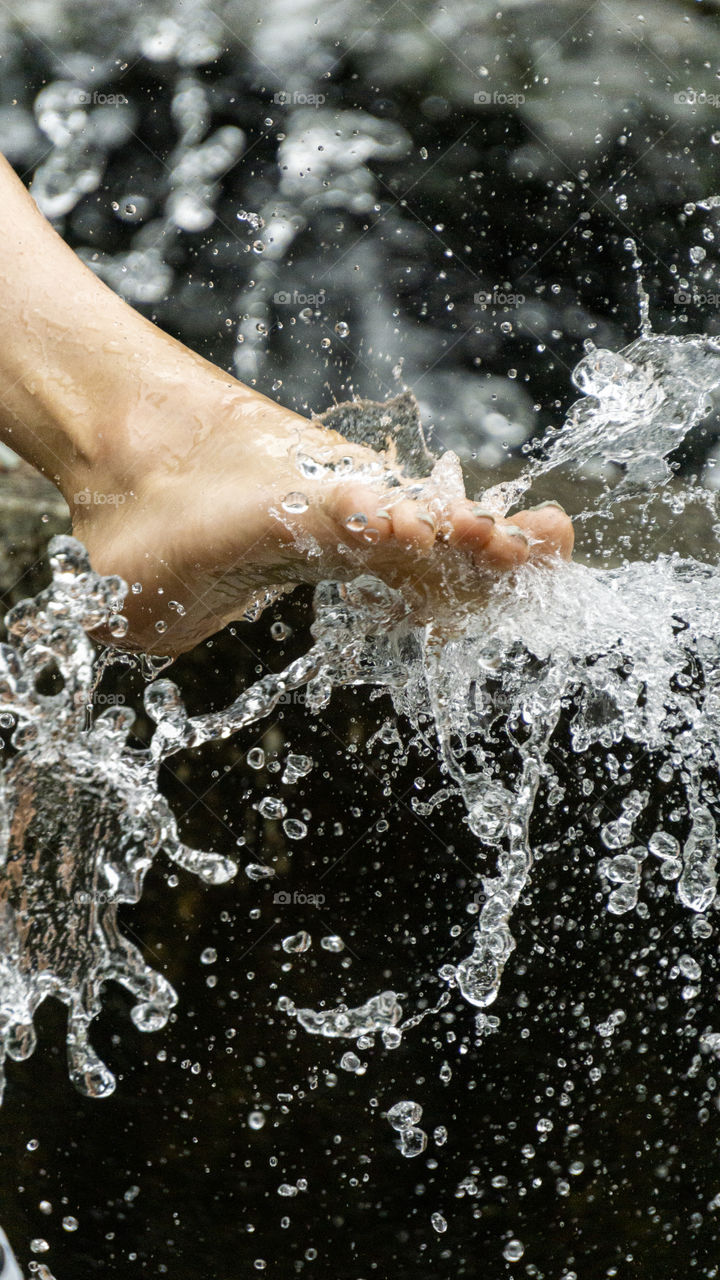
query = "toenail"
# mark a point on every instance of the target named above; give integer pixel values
(550, 503)
(482, 514)
(383, 515)
(513, 531)
(428, 520)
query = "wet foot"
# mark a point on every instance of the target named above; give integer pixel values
(180, 479)
(244, 498)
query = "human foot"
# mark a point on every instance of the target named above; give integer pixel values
(226, 497)
(178, 476)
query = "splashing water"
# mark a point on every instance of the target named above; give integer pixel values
(557, 661)
(631, 651)
(82, 818)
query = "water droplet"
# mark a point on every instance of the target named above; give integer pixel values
(411, 1142)
(208, 956)
(404, 1114)
(272, 808)
(296, 943)
(513, 1251)
(351, 1062)
(257, 871)
(118, 626)
(295, 502)
(357, 522)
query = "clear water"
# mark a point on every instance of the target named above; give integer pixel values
(211, 206)
(561, 659)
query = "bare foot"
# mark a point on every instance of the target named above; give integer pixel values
(186, 482)
(221, 496)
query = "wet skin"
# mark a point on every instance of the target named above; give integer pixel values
(177, 475)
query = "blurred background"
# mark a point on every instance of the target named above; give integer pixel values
(330, 201)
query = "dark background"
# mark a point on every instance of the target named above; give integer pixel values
(420, 199)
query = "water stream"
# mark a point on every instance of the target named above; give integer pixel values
(557, 661)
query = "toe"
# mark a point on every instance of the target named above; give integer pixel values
(549, 529)
(471, 527)
(413, 526)
(507, 547)
(493, 542)
(361, 514)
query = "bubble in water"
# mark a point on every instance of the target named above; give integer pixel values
(439, 1223)
(256, 1119)
(208, 956)
(342, 329)
(256, 757)
(70, 1224)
